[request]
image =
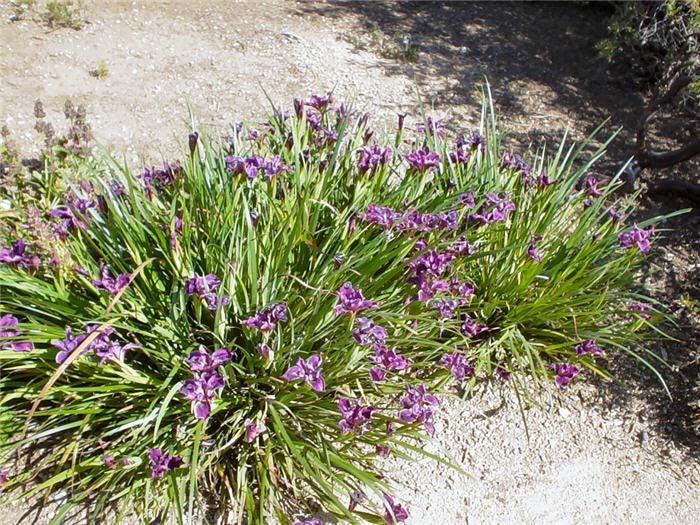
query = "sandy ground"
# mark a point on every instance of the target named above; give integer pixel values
(599, 452)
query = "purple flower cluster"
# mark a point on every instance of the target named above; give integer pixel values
(384, 217)
(368, 332)
(532, 252)
(457, 364)
(423, 160)
(72, 214)
(320, 102)
(494, 209)
(417, 406)
(471, 328)
(431, 127)
(386, 360)
(161, 463)
(102, 345)
(204, 286)
(515, 162)
(474, 141)
(309, 371)
(109, 283)
(255, 165)
(267, 318)
(205, 381)
(156, 180)
(16, 255)
(591, 185)
(564, 373)
(588, 347)
(637, 237)
(351, 301)
(355, 417)
(372, 158)
(395, 513)
(8, 324)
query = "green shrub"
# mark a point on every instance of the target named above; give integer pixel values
(199, 329)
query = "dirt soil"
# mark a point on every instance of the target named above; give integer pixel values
(600, 452)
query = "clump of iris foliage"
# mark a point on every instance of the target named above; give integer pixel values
(261, 320)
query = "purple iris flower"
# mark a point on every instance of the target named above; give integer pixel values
(251, 430)
(201, 361)
(384, 217)
(588, 347)
(592, 187)
(368, 332)
(386, 360)
(445, 307)
(543, 181)
(615, 215)
(351, 300)
(461, 247)
(156, 180)
(460, 155)
(16, 256)
(264, 350)
(109, 461)
(532, 252)
(417, 406)
(467, 200)
(457, 364)
(432, 127)
(474, 141)
(431, 263)
(494, 209)
(7, 329)
(355, 417)
(68, 345)
(564, 373)
(462, 290)
(423, 160)
(274, 166)
(204, 287)
(309, 371)
(372, 158)
(502, 373)
(201, 389)
(320, 102)
(515, 162)
(267, 318)
(637, 236)
(107, 282)
(471, 328)
(162, 462)
(395, 513)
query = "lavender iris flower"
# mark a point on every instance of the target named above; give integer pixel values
(588, 347)
(367, 332)
(16, 256)
(310, 521)
(7, 329)
(564, 373)
(201, 389)
(161, 463)
(423, 160)
(386, 359)
(204, 287)
(431, 127)
(395, 513)
(457, 364)
(351, 300)
(109, 283)
(471, 328)
(372, 158)
(592, 187)
(201, 361)
(417, 406)
(637, 237)
(309, 371)
(68, 345)
(384, 217)
(355, 416)
(543, 180)
(267, 318)
(494, 209)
